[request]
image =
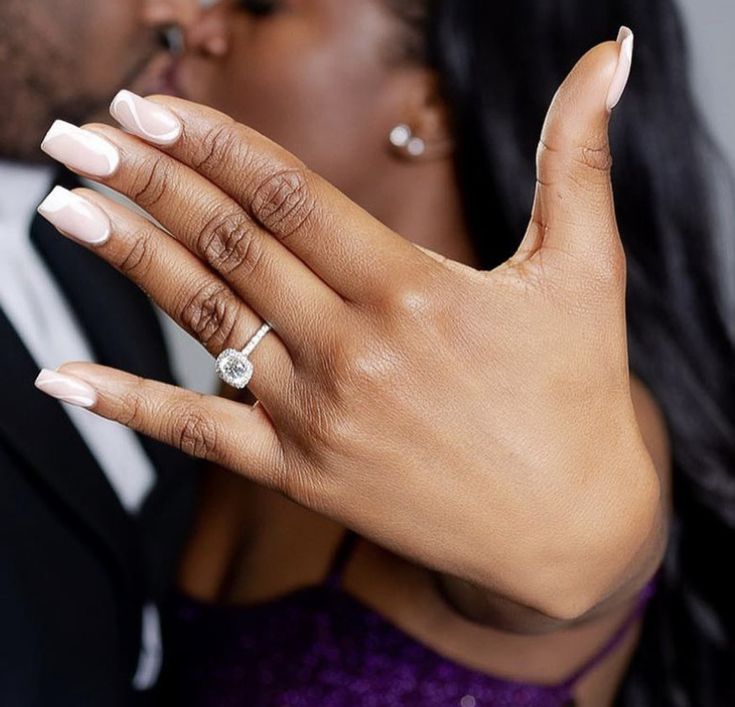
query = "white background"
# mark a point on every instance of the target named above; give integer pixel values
(711, 26)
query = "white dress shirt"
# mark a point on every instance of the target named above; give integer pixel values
(40, 314)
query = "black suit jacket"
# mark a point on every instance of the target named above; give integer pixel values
(75, 568)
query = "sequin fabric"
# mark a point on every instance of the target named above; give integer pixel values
(320, 647)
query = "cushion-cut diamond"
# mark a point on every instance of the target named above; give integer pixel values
(234, 368)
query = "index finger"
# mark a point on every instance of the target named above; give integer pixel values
(336, 238)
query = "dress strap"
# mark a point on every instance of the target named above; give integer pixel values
(340, 558)
(612, 643)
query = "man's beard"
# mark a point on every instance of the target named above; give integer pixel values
(80, 108)
(35, 101)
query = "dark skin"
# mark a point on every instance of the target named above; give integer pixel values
(318, 77)
(251, 544)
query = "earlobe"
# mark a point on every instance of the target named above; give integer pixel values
(207, 31)
(425, 134)
(405, 142)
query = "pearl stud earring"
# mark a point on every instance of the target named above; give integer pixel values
(402, 137)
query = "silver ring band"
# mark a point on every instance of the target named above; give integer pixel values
(257, 338)
(235, 367)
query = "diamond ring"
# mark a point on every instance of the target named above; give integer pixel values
(234, 367)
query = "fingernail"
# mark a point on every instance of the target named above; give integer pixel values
(81, 150)
(75, 216)
(66, 388)
(622, 73)
(151, 121)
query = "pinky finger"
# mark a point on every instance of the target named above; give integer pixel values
(234, 435)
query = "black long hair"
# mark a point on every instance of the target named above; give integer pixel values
(499, 64)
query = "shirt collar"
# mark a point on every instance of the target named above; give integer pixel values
(22, 188)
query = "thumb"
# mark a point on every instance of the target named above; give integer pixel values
(573, 210)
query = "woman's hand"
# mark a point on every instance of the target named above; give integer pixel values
(480, 423)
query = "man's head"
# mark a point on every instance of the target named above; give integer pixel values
(67, 58)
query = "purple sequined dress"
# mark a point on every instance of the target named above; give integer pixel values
(320, 647)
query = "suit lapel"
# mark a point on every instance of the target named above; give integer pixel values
(43, 435)
(122, 331)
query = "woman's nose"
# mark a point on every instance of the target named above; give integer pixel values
(207, 34)
(171, 12)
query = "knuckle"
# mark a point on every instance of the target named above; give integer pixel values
(593, 160)
(597, 158)
(196, 434)
(210, 315)
(138, 259)
(284, 202)
(149, 185)
(413, 303)
(130, 408)
(217, 144)
(230, 243)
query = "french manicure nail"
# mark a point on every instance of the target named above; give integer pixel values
(146, 119)
(75, 216)
(81, 150)
(66, 388)
(622, 73)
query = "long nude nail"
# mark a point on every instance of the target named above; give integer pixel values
(81, 150)
(151, 121)
(75, 216)
(622, 73)
(66, 388)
